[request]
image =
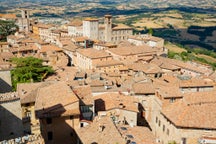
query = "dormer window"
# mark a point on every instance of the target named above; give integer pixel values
(172, 100)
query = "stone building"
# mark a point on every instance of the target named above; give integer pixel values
(75, 28)
(57, 109)
(27, 93)
(181, 117)
(10, 116)
(107, 32)
(90, 28)
(86, 58)
(24, 22)
(149, 40)
(122, 108)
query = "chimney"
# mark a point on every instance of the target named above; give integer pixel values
(101, 128)
(121, 105)
(23, 92)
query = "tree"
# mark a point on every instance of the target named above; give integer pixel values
(29, 69)
(7, 28)
(150, 31)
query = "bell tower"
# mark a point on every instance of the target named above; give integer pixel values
(25, 14)
(108, 27)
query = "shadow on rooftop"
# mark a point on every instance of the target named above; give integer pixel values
(100, 105)
(4, 86)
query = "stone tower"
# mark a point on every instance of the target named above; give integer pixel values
(90, 28)
(108, 28)
(25, 14)
(24, 22)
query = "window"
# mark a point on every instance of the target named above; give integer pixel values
(49, 120)
(71, 117)
(156, 119)
(163, 128)
(81, 124)
(28, 114)
(85, 109)
(183, 140)
(172, 100)
(159, 123)
(167, 131)
(50, 136)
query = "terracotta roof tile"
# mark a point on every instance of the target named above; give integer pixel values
(146, 38)
(28, 91)
(195, 82)
(143, 88)
(84, 93)
(6, 55)
(200, 97)
(46, 48)
(167, 90)
(44, 26)
(63, 73)
(23, 48)
(120, 26)
(108, 101)
(70, 47)
(93, 53)
(8, 16)
(109, 134)
(147, 68)
(191, 116)
(79, 39)
(54, 96)
(132, 50)
(141, 135)
(183, 65)
(108, 63)
(76, 23)
(90, 19)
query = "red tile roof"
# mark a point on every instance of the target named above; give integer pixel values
(201, 115)
(46, 48)
(108, 101)
(143, 88)
(56, 99)
(93, 53)
(109, 134)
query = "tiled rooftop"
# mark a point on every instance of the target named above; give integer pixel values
(46, 48)
(195, 82)
(108, 101)
(132, 50)
(200, 97)
(93, 53)
(120, 27)
(9, 96)
(147, 68)
(56, 98)
(143, 88)
(101, 131)
(6, 55)
(28, 91)
(108, 63)
(191, 116)
(84, 93)
(138, 134)
(146, 38)
(76, 23)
